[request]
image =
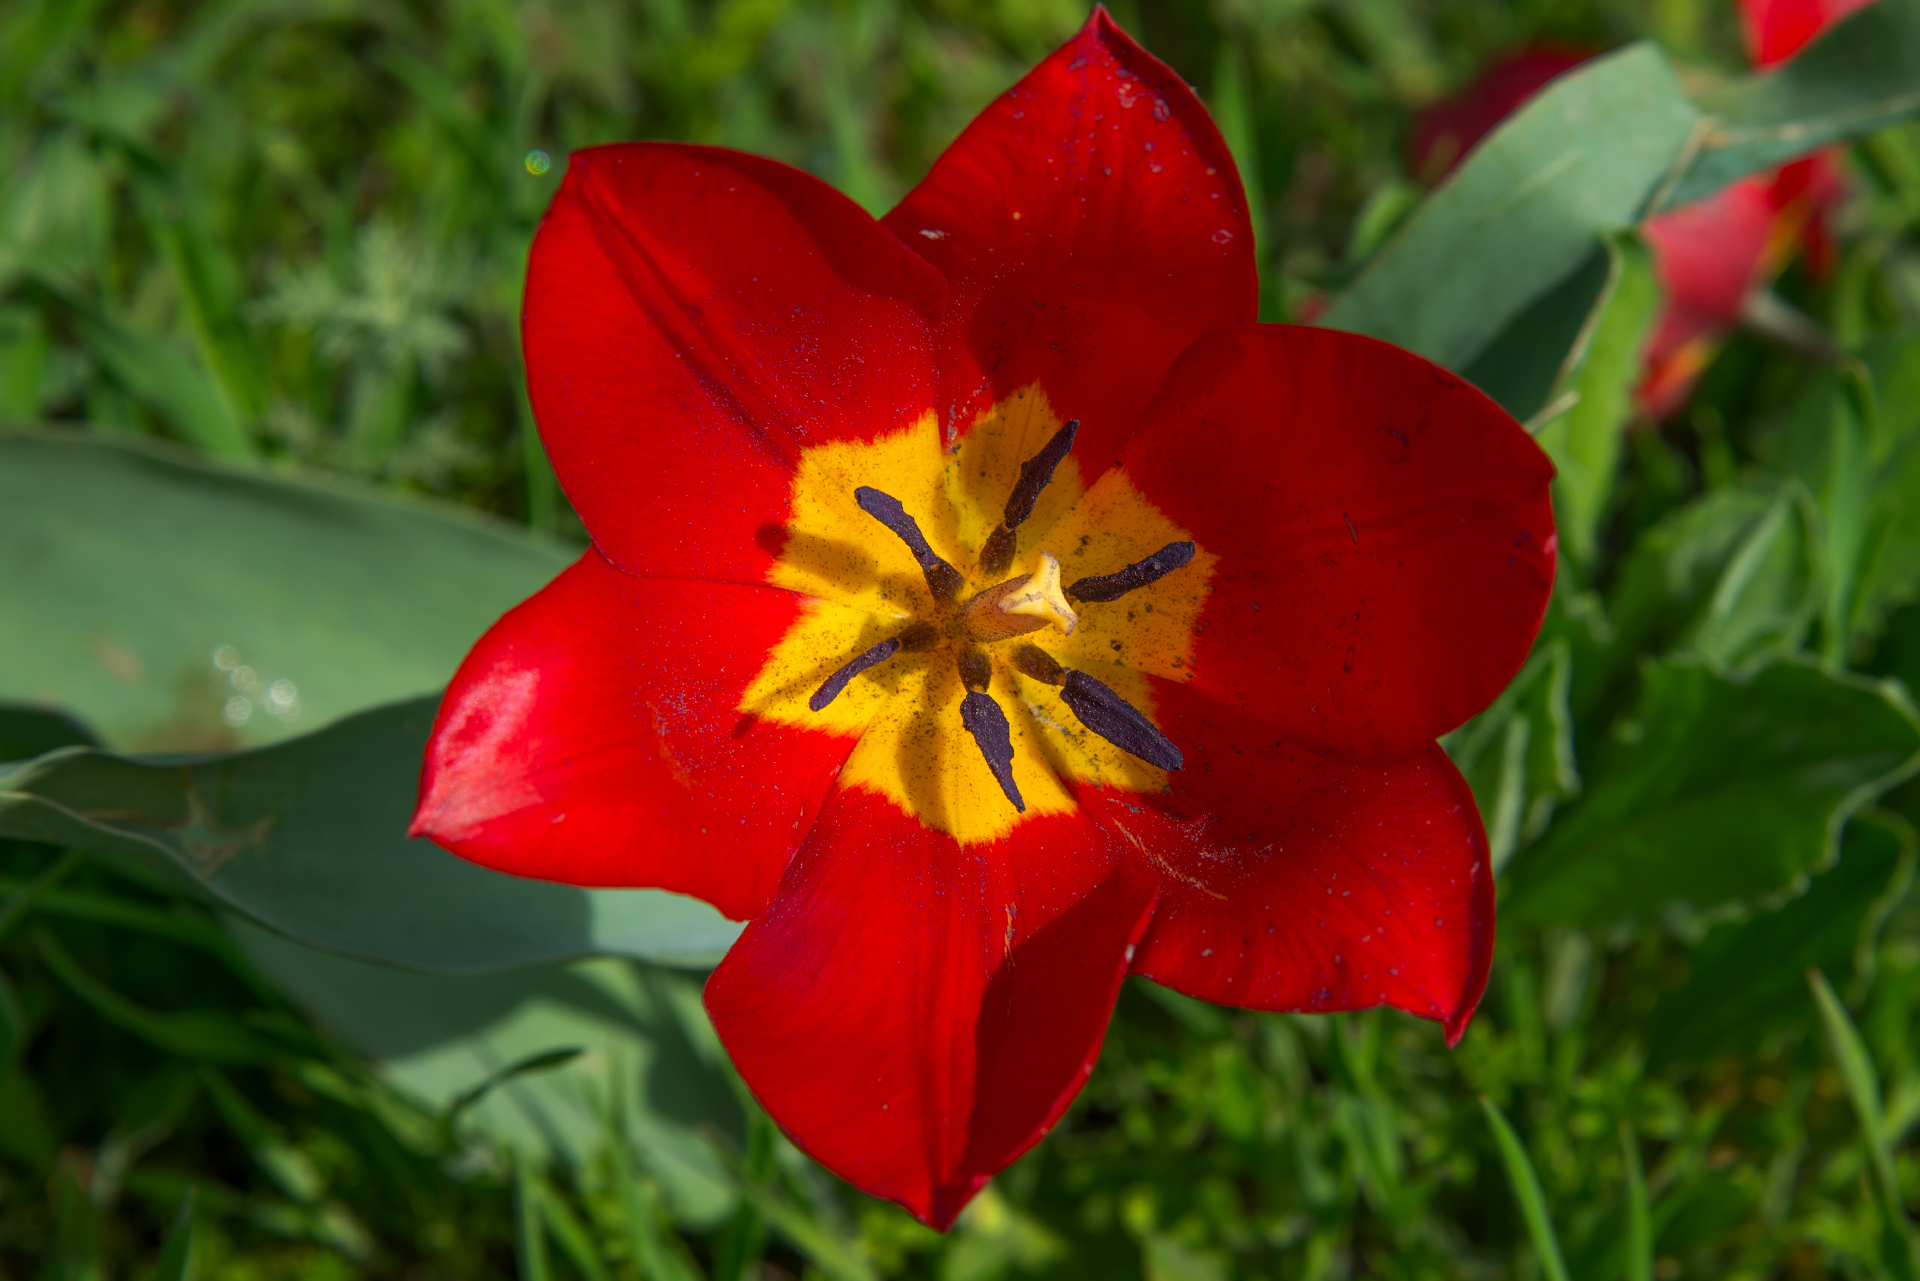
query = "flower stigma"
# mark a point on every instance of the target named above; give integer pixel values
(1021, 605)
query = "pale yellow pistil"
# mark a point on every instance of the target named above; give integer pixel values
(1020, 605)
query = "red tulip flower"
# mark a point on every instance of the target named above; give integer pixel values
(984, 608)
(1710, 256)
(1447, 131)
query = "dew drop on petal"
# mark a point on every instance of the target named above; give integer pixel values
(1160, 109)
(1222, 236)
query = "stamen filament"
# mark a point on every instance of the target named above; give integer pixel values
(1033, 661)
(1108, 587)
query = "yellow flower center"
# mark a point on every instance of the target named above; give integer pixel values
(866, 588)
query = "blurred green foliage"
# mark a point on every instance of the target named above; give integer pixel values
(292, 231)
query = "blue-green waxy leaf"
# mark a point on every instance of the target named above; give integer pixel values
(309, 837)
(1719, 792)
(27, 732)
(1860, 76)
(1525, 209)
(436, 1037)
(175, 605)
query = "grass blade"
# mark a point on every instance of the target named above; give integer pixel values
(21, 900)
(207, 1036)
(1639, 1215)
(745, 1238)
(1526, 1190)
(542, 1062)
(176, 1252)
(530, 1237)
(1863, 1085)
(568, 1230)
(835, 1258)
(640, 1200)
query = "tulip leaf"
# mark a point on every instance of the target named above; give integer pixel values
(124, 569)
(309, 837)
(1523, 212)
(26, 732)
(437, 1038)
(1521, 365)
(1859, 76)
(1596, 388)
(1718, 792)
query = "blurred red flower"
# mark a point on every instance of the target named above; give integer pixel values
(1711, 255)
(985, 608)
(1445, 132)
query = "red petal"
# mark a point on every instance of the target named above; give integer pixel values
(1711, 253)
(1292, 880)
(1708, 254)
(593, 736)
(696, 317)
(915, 1013)
(1090, 224)
(1444, 133)
(1778, 29)
(1385, 536)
